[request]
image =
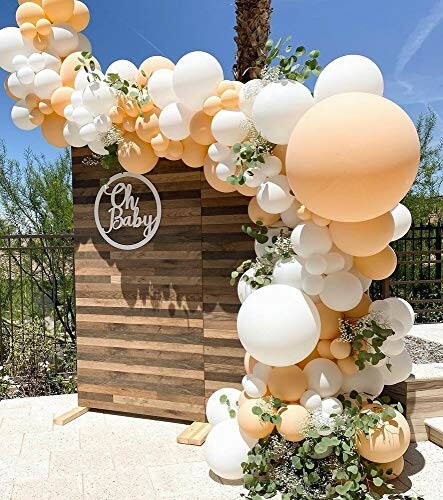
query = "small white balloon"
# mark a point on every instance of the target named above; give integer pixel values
(397, 369)
(98, 148)
(244, 288)
(228, 127)
(288, 272)
(26, 75)
(308, 239)
(103, 123)
(218, 152)
(223, 171)
(89, 133)
(312, 284)
(380, 306)
(99, 98)
(393, 347)
(332, 406)
(20, 61)
(254, 177)
(247, 95)
(262, 371)
(342, 291)
(274, 195)
(364, 280)
(253, 386)
(20, 115)
(323, 376)
(311, 400)
(335, 262)
(82, 81)
(69, 112)
(46, 82)
(52, 61)
(272, 166)
(218, 411)
(368, 381)
(402, 221)
(402, 312)
(160, 88)
(174, 121)
(81, 116)
(127, 70)
(63, 40)
(37, 62)
(316, 264)
(71, 133)
(290, 216)
(19, 89)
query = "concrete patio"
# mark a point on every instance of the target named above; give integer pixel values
(106, 457)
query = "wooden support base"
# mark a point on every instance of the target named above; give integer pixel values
(70, 415)
(195, 434)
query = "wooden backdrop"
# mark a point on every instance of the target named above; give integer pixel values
(156, 327)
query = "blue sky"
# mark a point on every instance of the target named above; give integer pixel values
(403, 37)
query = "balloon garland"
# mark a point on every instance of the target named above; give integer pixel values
(325, 173)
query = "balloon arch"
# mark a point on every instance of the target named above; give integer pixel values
(325, 171)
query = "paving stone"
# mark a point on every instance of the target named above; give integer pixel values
(25, 467)
(115, 486)
(81, 461)
(55, 488)
(6, 490)
(60, 438)
(24, 424)
(10, 444)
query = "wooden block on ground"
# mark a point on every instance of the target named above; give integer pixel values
(195, 434)
(70, 415)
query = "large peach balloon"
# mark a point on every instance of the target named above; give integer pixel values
(329, 321)
(251, 424)
(135, 155)
(29, 12)
(153, 64)
(67, 70)
(365, 166)
(340, 349)
(200, 128)
(58, 11)
(363, 238)
(256, 214)
(361, 309)
(246, 190)
(52, 130)
(378, 266)
(387, 442)
(209, 167)
(60, 99)
(287, 383)
(395, 468)
(193, 154)
(294, 419)
(80, 17)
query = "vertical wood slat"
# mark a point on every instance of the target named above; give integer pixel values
(156, 327)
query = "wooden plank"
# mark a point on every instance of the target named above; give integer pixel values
(70, 415)
(195, 434)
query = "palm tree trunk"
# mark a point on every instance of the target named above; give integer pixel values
(253, 28)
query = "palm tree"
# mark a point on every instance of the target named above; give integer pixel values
(253, 28)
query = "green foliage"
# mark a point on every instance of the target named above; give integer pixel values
(270, 411)
(224, 400)
(249, 156)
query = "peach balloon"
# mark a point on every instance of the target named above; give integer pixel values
(366, 166)
(45, 107)
(224, 86)
(150, 65)
(324, 349)
(243, 398)
(329, 320)
(212, 105)
(361, 239)
(149, 107)
(29, 12)
(230, 99)
(67, 70)
(160, 143)
(174, 151)
(135, 155)
(200, 128)
(60, 99)
(347, 366)
(387, 442)
(287, 383)
(52, 130)
(36, 116)
(209, 167)
(129, 124)
(38, 2)
(44, 27)
(249, 363)
(246, 190)
(280, 152)
(32, 101)
(130, 107)
(320, 221)
(257, 214)
(28, 31)
(147, 127)
(193, 154)
(340, 348)
(304, 213)
(314, 355)
(251, 424)
(378, 266)
(58, 11)
(361, 309)
(80, 17)
(117, 114)
(395, 467)
(41, 42)
(294, 419)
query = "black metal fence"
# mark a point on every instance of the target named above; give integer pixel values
(37, 315)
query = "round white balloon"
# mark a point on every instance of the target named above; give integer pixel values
(218, 152)
(26, 75)
(99, 98)
(254, 177)
(342, 291)
(81, 116)
(17, 88)
(364, 280)
(311, 400)
(399, 369)
(160, 88)
(368, 381)
(103, 123)
(174, 121)
(308, 239)
(402, 314)
(288, 272)
(97, 147)
(316, 264)
(393, 347)
(216, 411)
(13, 44)
(274, 195)
(312, 284)
(224, 170)
(332, 406)
(71, 133)
(125, 69)
(63, 40)
(402, 221)
(272, 166)
(244, 288)
(20, 115)
(260, 248)
(228, 127)
(323, 376)
(253, 386)
(84, 45)
(46, 82)
(290, 216)
(89, 132)
(37, 62)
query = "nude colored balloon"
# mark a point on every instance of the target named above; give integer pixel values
(361, 309)
(340, 349)
(294, 419)
(378, 266)
(160, 144)
(395, 467)
(135, 155)
(147, 126)
(324, 349)
(200, 128)
(257, 214)
(193, 154)
(246, 190)
(212, 179)
(329, 320)
(67, 70)
(251, 424)
(314, 355)
(52, 130)
(363, 238)
(43, 27)
(287, 383)
(80, 17)
(150, 65)
(58, 11)
(60, 99)
(388, 442)
(29, 12)
(212, 105)
(347, 366)
(366, 166)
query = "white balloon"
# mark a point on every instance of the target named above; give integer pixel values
(81, 116)
(20, 115)
(335, 262)
(216, 411)
(351, 73)
(247, 95)
(84, 45)
(17, 88)
(226, 448)
(63, 40)
(278, 325)
(316, 264)
(254, 177)
(26, 75)
(368, 381)
(364, 280)
(103, 123)
(393, 347)
(332, 406)
(260, 248)
(71, 133)
(37, 62)
(402, 221)
(244, 289)
(399, 370)
(218, 152)
(273, 196)
(99, 98)
(312, 284)
(196, 77)
(288, 272)
(68, 112)
(253, 386)
(342, 291)
(89, 133)
(402, 312)
(52, 61)
(224, 170)
(323, 376)
(290, 216)
(380, 306)
(81, 79)
(160, 88)
(174, 121)
(308, 239)
(127, 70)
(77, 99)
(278, 108)
(262, 371)
(228, 127)
(13, 44)
(311, 400)
(98, 148)
(20, 61)
(272, 166)
(46, 82)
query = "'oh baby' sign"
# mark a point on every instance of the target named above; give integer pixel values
(125, 211)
